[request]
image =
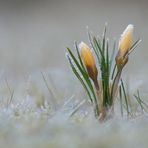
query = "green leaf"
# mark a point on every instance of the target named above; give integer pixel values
(104, 39)
(112, 58)
(113, 72)
(79, 78)
(134, 46)
(94, 48)
(79, 57)
(97, 47)
(84, 74)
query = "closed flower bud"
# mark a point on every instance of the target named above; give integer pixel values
(88, 60)
(125, 44)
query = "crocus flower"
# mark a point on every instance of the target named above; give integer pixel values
(88, 61)
(125, 44)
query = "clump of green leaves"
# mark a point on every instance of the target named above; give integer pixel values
(104, 88)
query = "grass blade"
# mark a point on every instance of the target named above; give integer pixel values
(104, 39)
(96, 51)
(112, 54)
(134, 46)
(141, 103)
(83, 72)
(125, 97)
(77, 107)
(121, 103)
(80, 79)
(79, 57)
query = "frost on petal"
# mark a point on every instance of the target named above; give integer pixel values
(126, 40)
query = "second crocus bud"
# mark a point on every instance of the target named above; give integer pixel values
(125, 44)
(88, 61)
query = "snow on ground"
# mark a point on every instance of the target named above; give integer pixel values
(33, 119)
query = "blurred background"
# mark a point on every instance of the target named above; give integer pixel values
(34, 34)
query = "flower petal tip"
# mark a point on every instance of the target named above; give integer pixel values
(129, 28)
(82, 45)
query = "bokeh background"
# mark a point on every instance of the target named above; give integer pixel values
(34, 34)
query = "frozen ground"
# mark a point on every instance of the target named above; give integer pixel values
(35, 117)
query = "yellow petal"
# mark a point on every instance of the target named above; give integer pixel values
(125, 44)
(88, 60)
(126, 40)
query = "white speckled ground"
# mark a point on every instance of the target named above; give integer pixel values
(26, 123)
